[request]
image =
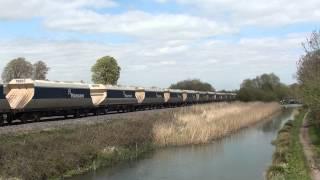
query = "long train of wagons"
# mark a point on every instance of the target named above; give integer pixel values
(26, 99)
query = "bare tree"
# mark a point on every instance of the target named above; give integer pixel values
(40, 70)
(17, 68)
(312, 43)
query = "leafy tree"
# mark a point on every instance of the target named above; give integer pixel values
(192, 84)
(40, 70)
(105, 71)
(308, 73)
(295, 91)
(266, 87)
(17, 68)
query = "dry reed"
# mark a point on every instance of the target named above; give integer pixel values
(204, 123)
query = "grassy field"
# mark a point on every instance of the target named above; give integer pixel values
(57, 153)
(288, 159)
(204, 123)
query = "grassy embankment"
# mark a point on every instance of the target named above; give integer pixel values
(314, 134)
(70, 151)
(288, 159)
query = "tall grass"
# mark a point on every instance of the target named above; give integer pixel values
(204, 123)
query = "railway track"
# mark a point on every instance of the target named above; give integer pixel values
(59, 121)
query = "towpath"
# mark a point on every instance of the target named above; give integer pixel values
(307, 148)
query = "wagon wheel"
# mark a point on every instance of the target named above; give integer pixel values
(76, 114)
(1, 120)
(105, 111)
(9, 119)
(36, 117)
(97, 112)
(65, 114)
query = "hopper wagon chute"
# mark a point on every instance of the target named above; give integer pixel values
(150, 97)
(189, 96)
(173, 97)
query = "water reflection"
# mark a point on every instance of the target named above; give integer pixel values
(242, 156)
(277, 122)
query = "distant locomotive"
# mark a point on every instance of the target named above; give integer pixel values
(26, 99)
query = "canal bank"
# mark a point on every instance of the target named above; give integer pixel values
(289, 160)
(244, 155)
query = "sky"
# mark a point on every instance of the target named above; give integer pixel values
(159, 42)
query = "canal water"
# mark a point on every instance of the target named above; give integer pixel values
(242, 156)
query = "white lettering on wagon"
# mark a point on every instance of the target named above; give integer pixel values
(127, 95)
(73, 95)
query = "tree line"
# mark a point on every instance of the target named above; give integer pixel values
(193, 84)
(21, 68)
(105, 71)
(308, 73)
(266, 87)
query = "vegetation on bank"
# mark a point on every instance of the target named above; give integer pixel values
(68, 151)
(51, 154)
(314, 134)
(204, 123)
(288, 159)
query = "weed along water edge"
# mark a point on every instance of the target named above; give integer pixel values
(244, 155)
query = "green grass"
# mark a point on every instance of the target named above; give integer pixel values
(65, 152)
(314, 134)
(289, 162)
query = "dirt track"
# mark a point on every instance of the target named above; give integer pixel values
(307, 148)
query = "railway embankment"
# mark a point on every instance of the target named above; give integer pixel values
(58, 151)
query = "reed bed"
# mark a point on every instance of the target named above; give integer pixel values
(204, 123)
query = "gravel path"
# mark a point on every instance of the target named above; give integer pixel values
(58, 122)
(308, 149)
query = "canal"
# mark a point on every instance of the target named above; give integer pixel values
(242, 156)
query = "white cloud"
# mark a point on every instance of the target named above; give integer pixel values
(167, 47)
(223, 64)
(81, 16)
(258, 12)
(17, 9)
(139, 24)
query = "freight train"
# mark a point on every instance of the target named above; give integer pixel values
(26, 99)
